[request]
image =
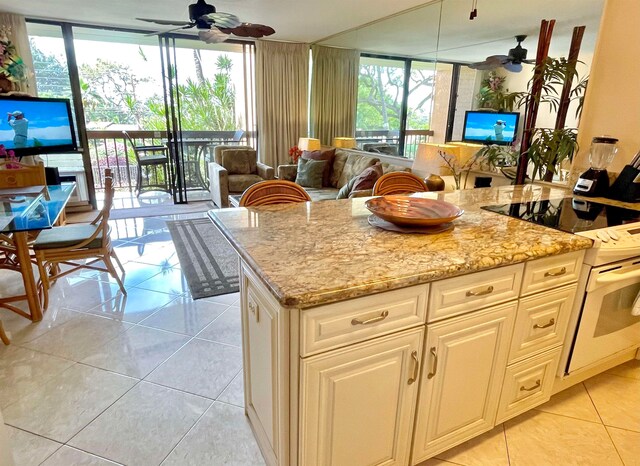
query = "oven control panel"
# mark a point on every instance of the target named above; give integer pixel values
(612, 244)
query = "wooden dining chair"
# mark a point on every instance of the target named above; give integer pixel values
(3, 336)
(19, 175)
(151, 158)
(72, 243)
(399, 183)
(273, 192)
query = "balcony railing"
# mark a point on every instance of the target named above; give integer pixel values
(387, 141)
(110, 149)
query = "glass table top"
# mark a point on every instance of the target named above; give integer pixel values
(34, 208)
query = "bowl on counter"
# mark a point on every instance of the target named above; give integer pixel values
(413, 211)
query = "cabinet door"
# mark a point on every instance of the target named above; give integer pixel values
(464, 364)
(357, 403)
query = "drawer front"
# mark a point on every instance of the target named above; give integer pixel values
(541, 322)
(340, 324)
(460, 295)
(527, 384)
(551, 272)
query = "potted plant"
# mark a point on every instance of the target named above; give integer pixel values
(13, 71)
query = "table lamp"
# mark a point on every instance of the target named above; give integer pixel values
(428, 160)
(309, 144)
(344, 143)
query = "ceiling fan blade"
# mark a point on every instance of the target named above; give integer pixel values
(492, 62)
(213, 36)
(529, 62)
(483, 66)
(157, 33)
(165, 22)
(225, 20)
(513, 67)
(250, 30)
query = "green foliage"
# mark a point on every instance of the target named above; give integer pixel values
(493, 95)
(380, 92)
(51, 74)
(207, 105)
(549, 148)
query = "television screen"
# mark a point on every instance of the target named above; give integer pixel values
(30, 125)
(490, 127)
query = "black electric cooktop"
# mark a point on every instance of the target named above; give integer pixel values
(568, 214)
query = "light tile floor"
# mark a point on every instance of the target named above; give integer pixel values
(156, 378)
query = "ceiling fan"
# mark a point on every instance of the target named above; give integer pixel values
(512, 62)
(214, 26)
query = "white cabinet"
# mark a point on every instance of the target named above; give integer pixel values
(463, 370)
(365, 381)
(357, 403)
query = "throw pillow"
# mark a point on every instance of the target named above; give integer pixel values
(327, 155)
(338, 166)
(346, 189)
(368, 177)
(310, 173)
(355, 165)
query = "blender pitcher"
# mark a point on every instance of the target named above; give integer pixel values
(595, 181)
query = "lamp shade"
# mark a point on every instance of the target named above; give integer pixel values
(344, 143)
(467, 150)
(428, 160)
(309, 144)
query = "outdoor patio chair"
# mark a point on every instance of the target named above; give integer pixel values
(73, 244)
(399, 183)
(150, 159)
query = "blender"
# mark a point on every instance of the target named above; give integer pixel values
(595, 181)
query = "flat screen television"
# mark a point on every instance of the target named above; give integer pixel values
(34, 125)
(490, 127)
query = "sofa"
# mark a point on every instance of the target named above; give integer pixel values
(233, 170)
(347, 164)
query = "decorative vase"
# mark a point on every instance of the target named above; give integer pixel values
(434, 182)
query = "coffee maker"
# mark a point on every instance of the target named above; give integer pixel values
(595, 181)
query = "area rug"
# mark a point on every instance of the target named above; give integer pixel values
(208, 262)
(160, 210)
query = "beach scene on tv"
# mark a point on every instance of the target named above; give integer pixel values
(25, 123)
(491, 127)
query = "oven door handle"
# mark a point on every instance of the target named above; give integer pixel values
(617, 277)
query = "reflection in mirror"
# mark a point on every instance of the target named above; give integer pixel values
(423, 53)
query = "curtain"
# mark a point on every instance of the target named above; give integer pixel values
(16, 29)
(282, 89)
(334, 92)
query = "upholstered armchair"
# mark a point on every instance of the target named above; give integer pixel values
(234, 169)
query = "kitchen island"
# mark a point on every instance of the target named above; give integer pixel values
(363, 346)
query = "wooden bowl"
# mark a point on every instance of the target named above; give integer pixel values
(413, 211)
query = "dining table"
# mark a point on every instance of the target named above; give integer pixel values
(23, 213)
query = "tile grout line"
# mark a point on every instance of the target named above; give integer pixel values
(506, 442)
(569, 417)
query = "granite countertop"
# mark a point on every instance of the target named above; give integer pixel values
(315, 253)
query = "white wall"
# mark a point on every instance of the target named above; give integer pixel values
(612, 103)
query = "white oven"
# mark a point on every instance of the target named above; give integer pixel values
(607, 324)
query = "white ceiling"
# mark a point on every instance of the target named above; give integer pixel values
(420, 28)
(443, 30)
(293, 20)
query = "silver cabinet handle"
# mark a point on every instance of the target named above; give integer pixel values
(484, 292)
(525, 389)
(547, 325)
(560, 272)
(383, 315)
(434, 363)
(416, 367)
